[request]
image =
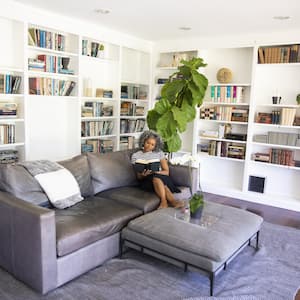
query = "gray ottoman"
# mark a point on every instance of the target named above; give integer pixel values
(209, 245)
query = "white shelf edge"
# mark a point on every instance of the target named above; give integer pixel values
(279, 65)
(9, 69)
(206, 156)
(279, 105)
(52, 96)
(51, 75)
(10, 96)
(56, 52)
(12, 145)
(221, 121)
(134, 82)
(132, 117)
(276, 146)
(98, 98)
(99, 118)
(130, 133)
(99, 59)
(224, 103)
(134, 100)
(275, 125)
(275, 165)
(11, 120)
(97, 137)
(221, 140)
(229, 84)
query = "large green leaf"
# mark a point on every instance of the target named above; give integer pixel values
(152, 118)
(174, 143)
(171, 89)
(196, 94)
(166, 125)
(162, 106)
(180, 117)
(201, 81)
(189, 111)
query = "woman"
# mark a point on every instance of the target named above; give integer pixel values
(151, 144)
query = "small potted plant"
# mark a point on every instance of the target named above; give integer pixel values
(196, 205)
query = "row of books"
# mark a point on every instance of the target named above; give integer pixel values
(226, 149)
(227, 94)
(131, 109)
(224, 113)
(97, 146)
(134, 92)
(278, 138)
(128, 142)
(10, 84)
(276, 156)
(279, 54)
(48, 63)
(9, 156)
(46, 39)
(96, 109)
(129, 126)
(96, 128)
(91, 48)
(285, 116)
(50, 86)
(7, 134)
(8, 109)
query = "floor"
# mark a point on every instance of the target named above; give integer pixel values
(270, 214)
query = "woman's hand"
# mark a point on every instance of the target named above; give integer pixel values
(144, 174)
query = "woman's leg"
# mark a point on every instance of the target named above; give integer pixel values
(170, 198)
(160, 191)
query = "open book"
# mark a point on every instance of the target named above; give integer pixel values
(141, 164)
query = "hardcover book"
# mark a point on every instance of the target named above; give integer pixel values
(140, 165)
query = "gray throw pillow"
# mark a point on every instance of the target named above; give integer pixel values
(15, 179)
(111, 170)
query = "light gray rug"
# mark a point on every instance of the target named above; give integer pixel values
(272, 273)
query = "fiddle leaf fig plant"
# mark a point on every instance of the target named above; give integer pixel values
(184, 90)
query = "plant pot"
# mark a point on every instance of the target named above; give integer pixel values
(197, 214)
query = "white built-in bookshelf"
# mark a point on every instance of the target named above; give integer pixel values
(69, 91)
(227, 135)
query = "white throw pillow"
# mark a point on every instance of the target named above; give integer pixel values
(61, 188)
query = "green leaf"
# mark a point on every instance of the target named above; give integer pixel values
(171, 89)
(174, 143)
(195, 92)
(200, 80)
(166, 125)
(180, 117)
(162, 106)
(189, 111)
(152, 118)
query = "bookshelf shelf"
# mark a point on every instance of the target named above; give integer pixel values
(5, 146)
(98, 118)
(276, 126)
(51, 51)
(267, 164)
(226, 122)
(276, 146)
(11, 120)
(224, 103)
(278, 105)
(229, 84)
(98, 137)
(206, 156)
(221, 140)
(51, 75)
(9, 70)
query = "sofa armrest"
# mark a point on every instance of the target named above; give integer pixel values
(28, 242)
(185, 176)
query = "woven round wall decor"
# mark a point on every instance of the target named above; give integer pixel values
(224, 75)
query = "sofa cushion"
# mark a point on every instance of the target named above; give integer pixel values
(138, 198)
(15, 179)
(110, 170)
(89, 221)
(79, 167)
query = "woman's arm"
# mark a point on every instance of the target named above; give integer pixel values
(164, 167)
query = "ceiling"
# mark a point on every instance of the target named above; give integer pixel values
(160, 19)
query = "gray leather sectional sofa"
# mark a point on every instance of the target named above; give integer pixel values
(46, 247)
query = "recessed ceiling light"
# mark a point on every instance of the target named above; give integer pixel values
(281, 18)
(102, 11)
(184, 28)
